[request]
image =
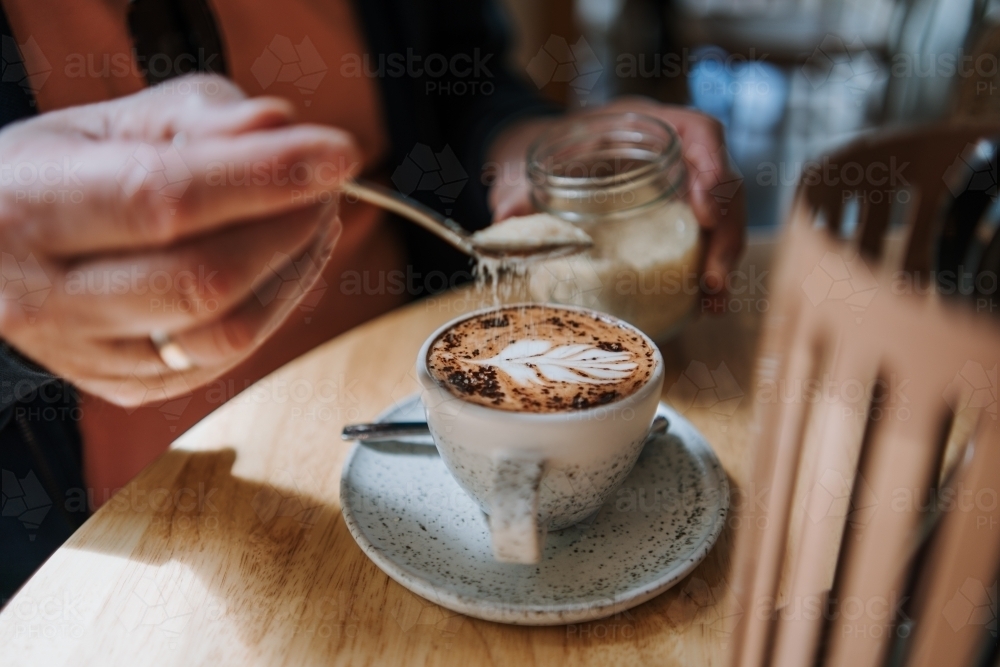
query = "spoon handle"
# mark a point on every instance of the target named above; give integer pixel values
(428, 218)
(384, 430)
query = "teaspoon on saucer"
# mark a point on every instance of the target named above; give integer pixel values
(408, 515)
(377, 432)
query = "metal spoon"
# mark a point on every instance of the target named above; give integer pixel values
(392, 430)
(383, 431)
(451, 231)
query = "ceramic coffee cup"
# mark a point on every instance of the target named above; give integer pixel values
(533, 472)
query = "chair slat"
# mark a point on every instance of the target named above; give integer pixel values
(837, 560)
(954, 608)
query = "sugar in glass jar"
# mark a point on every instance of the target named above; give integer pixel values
(622, 179)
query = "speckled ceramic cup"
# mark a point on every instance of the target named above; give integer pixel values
(533, 472)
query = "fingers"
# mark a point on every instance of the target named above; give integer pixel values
(261, 173)
(708, 163)
(725, 244)
(236, 335)
(133, 391)
(183, 286)
(147, 388)
(111, 359)
(225, 341)
(197, 104)
(716, 194)
(715, 191)
(161, 166)
(129, 372)
(511, 201)
(197, 119)
(704, 148)
(144, 195)
(215, 195)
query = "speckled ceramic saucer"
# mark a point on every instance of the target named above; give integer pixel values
(412, 519)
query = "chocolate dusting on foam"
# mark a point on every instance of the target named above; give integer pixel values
(481, 383)
(594, 361)
(494, 322)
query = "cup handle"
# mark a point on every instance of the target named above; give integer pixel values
(513, 519)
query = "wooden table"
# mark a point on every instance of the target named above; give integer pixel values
(230, 548)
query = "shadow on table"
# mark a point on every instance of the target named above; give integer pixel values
(279, 566)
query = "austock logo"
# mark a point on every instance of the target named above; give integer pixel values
(835, 496)
(619, 625)
(714, 607)
(30, 72)
(573, 280)
(405, 391)
(173, 409)
(149, 168)
(284, 62)
(412, 612)
(699, 388)
(286, 279)
(24, 282)
(288, 496)
(423, 170)
(699, 157)
(973, 604)
(837, 279)
(409, 397)
(152, 605)
(24, 499)
(975, 170)
(836, 62)
(147, 386)
(974, 387)
(560, 62)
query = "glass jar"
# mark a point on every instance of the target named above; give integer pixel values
(622, 179)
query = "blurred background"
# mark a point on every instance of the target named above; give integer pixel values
(789, 79)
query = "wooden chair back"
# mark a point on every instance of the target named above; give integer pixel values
(867, 556)
(909, 179)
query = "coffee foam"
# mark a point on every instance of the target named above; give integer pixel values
(540, 359)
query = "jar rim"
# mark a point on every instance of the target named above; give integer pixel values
(565, 135)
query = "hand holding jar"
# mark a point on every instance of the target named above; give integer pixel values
(652, 185)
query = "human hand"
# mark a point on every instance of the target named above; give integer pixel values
(709, 176)
(185, 249)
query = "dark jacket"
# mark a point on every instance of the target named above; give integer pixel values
(438, 121)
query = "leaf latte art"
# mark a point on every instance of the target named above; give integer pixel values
(539, 358)
(528, 361)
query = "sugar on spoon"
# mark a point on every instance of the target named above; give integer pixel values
(535, 236)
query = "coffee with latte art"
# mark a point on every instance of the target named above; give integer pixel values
(541, 359)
